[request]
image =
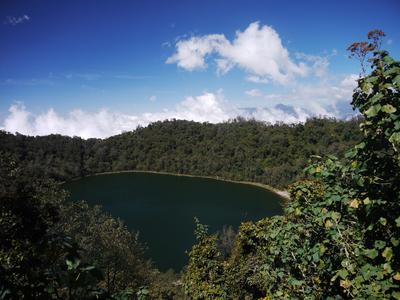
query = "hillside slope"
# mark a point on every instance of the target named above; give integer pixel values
(238, 150)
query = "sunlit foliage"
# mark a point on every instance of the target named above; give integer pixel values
(339, 236)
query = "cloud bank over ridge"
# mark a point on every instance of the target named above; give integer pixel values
(208, 107)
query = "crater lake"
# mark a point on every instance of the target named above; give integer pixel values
(162, 207)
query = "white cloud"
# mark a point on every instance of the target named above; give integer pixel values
(76, 123)
(319, 65)
(277, 114)
(208, 107)
(257, 50)
(152, 98)
(191, 53)
(320, 99)
(253, 93)
(18, 120)
(10, 20)
(296, 105)
(350, 81)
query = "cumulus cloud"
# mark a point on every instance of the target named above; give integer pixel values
(77, 123)
(350, 81)
(278, 113)
(320, 99)
(191, 53)
(257, 50)
(208, 107)
(152, 98)
(296, 105)
(11, 20)
(319, 64)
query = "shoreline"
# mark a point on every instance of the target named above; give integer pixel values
(281, 193)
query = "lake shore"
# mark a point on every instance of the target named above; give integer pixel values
(281, 193)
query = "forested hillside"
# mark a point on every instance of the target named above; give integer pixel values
(239, 150)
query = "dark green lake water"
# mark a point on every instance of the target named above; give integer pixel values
(162, 207)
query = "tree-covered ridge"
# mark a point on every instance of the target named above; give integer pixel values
(339, 237)
(238, 150)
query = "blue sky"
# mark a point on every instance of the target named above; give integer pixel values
(107, 66)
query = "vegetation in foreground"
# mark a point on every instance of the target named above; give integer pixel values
(338, 238)
(340, 233)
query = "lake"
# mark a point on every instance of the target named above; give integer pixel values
(162, 207)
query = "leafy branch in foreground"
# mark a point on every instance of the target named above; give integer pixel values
(339, 236)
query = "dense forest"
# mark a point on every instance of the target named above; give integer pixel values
(337, 239)
(238, 150)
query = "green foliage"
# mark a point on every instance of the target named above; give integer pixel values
(54, 249)
(339, 236)
(238, 150)
(107, 243)
(204, 276)
(166, 286)
(37, 261)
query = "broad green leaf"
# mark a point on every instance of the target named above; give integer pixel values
(388, 60)
(367, 201)
(371, 79)
(373, 110)
(395, 138)
(387, 253)
(388, 108)
(366, 87)
(387, 267)
(397, 222)
(354, 203)
(359, 180)
(345, 283)
(371, 253)
(376, 98)
(396, 80)
(328, 223)
(380, 244)
(343, 273)
(360, 145)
